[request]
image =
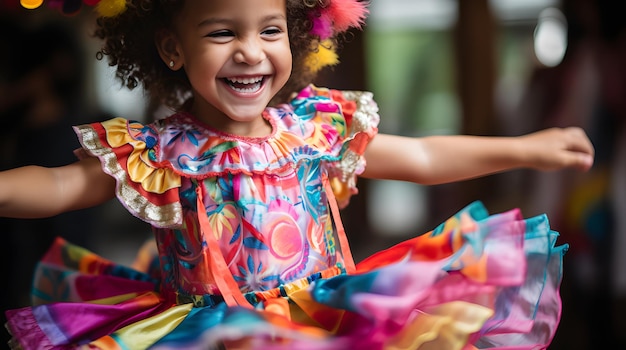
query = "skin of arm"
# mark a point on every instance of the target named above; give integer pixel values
(37, 192)
(442, 159)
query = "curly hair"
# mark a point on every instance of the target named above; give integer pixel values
(129, 46)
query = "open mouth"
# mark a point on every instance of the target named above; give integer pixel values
(247, 85)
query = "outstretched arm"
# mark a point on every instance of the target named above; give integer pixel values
(442, 159)
(35, 192)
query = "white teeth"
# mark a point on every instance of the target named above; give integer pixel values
(250, 90)
(251, 84)
(246, 80)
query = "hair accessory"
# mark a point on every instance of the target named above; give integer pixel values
(336, 17)
(323, 57)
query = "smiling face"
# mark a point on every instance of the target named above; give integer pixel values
(236, 55)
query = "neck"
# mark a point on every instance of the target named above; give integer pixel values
(258, 128)
(253, 127)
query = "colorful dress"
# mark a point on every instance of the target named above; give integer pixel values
(252, 253)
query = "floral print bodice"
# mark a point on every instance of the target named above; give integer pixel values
(266, 199)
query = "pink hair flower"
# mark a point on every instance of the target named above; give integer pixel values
(347, 13)
(322, 25)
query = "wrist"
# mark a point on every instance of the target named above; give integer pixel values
(522, 152)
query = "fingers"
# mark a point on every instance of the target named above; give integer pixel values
(580, 147)
(581, 161)
(579, 142)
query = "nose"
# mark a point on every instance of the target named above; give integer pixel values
(250, 51)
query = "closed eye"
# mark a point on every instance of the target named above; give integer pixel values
(272, 31)
(221, 34)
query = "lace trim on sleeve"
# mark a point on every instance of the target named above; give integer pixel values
(363, 126)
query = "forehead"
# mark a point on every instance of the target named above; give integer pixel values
(232, 9)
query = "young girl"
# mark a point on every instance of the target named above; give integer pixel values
(242, 184)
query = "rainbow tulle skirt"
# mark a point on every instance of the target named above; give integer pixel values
(476, 281)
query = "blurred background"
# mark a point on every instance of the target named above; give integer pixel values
(481, 67)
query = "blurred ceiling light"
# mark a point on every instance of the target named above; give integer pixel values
(420, 14)
(520, 11)
(550, 37)
(442, 14)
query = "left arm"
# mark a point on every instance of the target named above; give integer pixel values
(442, 159)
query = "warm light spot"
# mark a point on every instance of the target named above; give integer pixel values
(31, 4)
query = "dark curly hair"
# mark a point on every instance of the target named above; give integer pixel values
(129, 45)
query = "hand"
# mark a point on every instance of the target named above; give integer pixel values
(558, 148)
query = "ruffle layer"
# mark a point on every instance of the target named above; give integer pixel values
(476, 280)
(147, 191)
(356, 129)
(148, 161)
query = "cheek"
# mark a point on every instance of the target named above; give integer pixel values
(205, 59)
(204, 68)
(285, 61)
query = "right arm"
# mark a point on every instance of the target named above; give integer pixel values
(443, 159)
(37, 192)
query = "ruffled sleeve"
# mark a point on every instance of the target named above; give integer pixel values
(348, 121)
(128, 152)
